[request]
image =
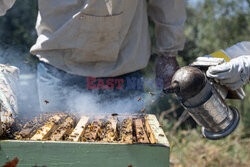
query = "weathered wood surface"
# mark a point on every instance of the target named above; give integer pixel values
(156, 129)
(79, 129)
(126, 131)
(141, 136)
(26, 133)
(61, 127)
(31, 127)
(92, 130)
(110, 133)
(150, 132)
(48, 127)
(62, 132)
(53, 153)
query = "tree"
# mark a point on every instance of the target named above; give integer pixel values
(18, 25)
(213, 25)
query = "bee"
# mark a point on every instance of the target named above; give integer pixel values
(161, 135)
(151, 93)
(114, 114)
(143, 110)
(46, 101)
(139, 99)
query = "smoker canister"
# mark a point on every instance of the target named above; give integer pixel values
(198, 95)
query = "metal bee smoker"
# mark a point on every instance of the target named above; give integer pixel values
(204, 99)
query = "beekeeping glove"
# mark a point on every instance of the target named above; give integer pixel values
(5, 5)
(8, 101)
(166, 66)
(233, 74)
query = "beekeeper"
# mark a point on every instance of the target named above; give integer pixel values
(97, 38)
(236, 71)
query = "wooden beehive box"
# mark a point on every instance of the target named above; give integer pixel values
(95, 154)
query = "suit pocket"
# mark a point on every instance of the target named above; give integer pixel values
(99, 39)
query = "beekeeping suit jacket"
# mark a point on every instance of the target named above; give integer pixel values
(5, 5)
(102, 38)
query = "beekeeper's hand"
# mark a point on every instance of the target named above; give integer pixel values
(233, 74)
(166, 66)
(8, 101)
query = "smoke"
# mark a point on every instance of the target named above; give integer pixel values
(89, 103)
(113, 101)
(27, 97)
(74, 99)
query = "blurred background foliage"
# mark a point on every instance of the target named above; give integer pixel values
(210, 25)
(17, 34)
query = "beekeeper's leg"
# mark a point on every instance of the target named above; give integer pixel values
(55, 87)
(123, 98)
(61, 91)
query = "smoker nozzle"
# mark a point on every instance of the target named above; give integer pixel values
(173, 88)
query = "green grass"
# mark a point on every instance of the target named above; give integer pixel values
(189, 148)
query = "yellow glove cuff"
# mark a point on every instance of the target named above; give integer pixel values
(220, 54)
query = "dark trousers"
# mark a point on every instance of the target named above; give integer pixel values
(61, 91)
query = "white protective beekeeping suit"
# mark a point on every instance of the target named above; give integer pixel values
(236, 71)
(105, 38)
(5, 5)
